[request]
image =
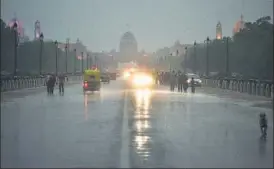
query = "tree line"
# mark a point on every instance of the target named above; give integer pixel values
(28, 55)
(250, 52)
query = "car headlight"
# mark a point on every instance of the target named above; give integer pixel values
(142, 80)
(126, 74)
(188, 80)
(199, 81)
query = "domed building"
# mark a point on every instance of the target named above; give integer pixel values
(128, 47)
(177, 49)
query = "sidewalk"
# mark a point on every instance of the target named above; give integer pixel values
(233, 94)
(255, 101)
(8, 95)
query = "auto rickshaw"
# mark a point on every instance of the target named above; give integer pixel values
(91, 80)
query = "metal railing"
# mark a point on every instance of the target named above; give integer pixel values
(35, 82)
(252, 87)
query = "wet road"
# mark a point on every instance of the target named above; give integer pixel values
(201, 130)
(62, 131)
(119, 128)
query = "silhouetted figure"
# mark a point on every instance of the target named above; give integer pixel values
(185, 82)
(263, 124)
(192, 83)
(172, 80)
(61, 79)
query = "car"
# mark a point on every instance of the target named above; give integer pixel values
(112, 76)
(141, 80)
(105, 78)
(197, 79)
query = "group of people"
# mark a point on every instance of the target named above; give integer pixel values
(180, 80)
(176, 79)
(51, 81)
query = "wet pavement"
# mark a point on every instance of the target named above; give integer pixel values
(74, 130)
(140, 128)
(196, 130)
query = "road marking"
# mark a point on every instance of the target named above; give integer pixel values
(124, 154)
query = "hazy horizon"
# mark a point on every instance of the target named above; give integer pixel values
(155, 23)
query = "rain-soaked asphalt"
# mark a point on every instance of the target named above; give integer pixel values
(115, 128)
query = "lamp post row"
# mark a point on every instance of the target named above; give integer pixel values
(194, 66)
(41, 39)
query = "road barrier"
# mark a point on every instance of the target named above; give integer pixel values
(252, 87)
(17, 84)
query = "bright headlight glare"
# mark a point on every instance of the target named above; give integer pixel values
(142, 80)
(126, 74)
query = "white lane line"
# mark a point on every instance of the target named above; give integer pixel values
(124, 154)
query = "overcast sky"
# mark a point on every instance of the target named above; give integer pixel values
(99, 24)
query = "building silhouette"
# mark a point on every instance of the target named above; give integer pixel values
(239, 25)
(37, 30)
(219, 34)
(128, 47)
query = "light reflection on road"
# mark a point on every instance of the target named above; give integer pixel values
(86, 107)
(89, 98)
(142, 100)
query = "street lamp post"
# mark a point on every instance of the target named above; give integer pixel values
(82, 56)
(95, 58)
(87, 60)
(207, 57)
(74, 63)
(41, 37)
(195, 59)
(66, 59)
(185, 59)
(67, 48)
(56, 58)
(169, 60)
(91, 60)
(15, 26)
(227, 57)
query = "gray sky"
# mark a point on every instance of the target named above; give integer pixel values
(99, 24)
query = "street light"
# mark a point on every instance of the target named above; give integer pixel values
(195, 61)
(185, 59)
(74, 65)
(207, 57)
(87, 60)
(169, 60)
(15, 26)
(56, 58)
(66, 48)
(41, 37)
(82, 56)
(91, 60)
(227, 57)
(95, 59)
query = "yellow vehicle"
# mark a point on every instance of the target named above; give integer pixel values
(91, 80)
